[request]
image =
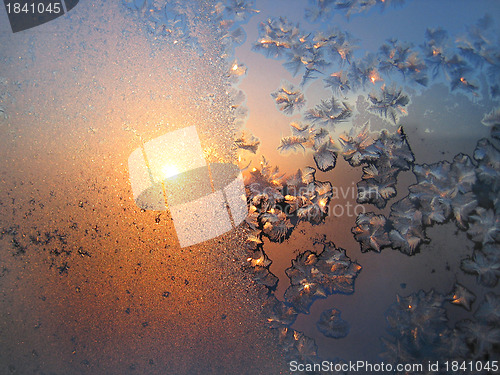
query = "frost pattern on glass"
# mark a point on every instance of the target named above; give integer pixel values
(461, 296)
(332, 325)
(288, 98)
(314, 276)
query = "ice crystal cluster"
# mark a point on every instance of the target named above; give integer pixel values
(324, 9)
(332, 325)
(331, 54)
(165, 20)
(288, 98)
(276, 203)
(465, 191)
(247, 142)
(314, 276)
(383, 158)
(316, 133)
(419, 329)
(390, 104)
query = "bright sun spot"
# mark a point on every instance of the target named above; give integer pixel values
(169, 171)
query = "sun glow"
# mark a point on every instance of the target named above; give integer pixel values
(169, 171)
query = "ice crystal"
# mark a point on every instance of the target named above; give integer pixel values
(462, 174)
(458, 80)
(488, 158)
(485, 265)
(393, 56)
(321, 9)
(308, 59)
(233, 37)
(377, 191)
(358, 146)
(463, 205)
(390, 104)
(163, 21)
(483, 337)
(461, 296)
(276, 224)
(332, 325)
(398, 56)
(437, 49)
(419, 317)
(340, 45)
(237, 70)
(477, 44)
(240, 10)
(480, 47)
(297, 346)
(315, 276)
(300, 130)
(442, 59)
(278, 313)
(443, 189)
(492, 118)
(315, 199)
(371, 232)
(276, 36)
(433, 193)
(489, 310)
(338, 83)
(417, 325)
(247, 142)
(263, 276)
(380, 174)
(408, 232)
(259, 258)
(328, 113)
(394, 151)
(484, 226)
(292, 144)
(363, 71)
(276, 205)
(325, 156)
(288, 98)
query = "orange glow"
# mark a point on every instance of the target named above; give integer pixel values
(374, 76)
(342, 53)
